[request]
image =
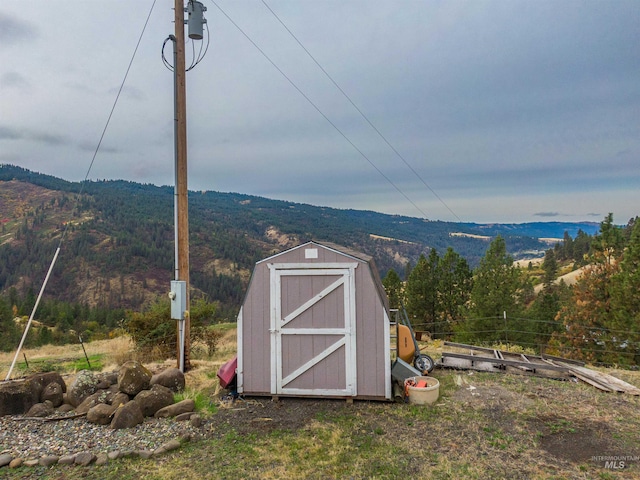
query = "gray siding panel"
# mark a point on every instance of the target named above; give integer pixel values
(256, 348)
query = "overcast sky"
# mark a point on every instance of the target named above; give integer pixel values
(510, 111)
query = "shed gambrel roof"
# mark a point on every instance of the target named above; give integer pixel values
(363, 257)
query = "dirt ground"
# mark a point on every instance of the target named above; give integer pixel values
(477, 422)
(263, 415)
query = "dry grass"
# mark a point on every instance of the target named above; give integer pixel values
(484, 425)
(114, 352)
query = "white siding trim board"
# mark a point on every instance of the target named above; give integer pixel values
(240, 376)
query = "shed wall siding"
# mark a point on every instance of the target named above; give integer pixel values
(256, 320)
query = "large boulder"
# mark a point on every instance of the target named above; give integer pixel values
(127, 416)
(187, 405)
(16, 397)
(53, 393)
(152, 400)
(41, 410)
(133, 377)
(39, 381)
(107, 379)
(100, 414)
(119, 398)
(171, 378)
(91, 401)
(85, 384)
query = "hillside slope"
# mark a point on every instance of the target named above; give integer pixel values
(118, 238)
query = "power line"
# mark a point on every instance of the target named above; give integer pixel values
(113, 107)
(320, 111)
(361, 112)
(66, 228)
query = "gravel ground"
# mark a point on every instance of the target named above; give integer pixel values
(32, 439)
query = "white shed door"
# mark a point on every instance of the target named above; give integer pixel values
(313, 349)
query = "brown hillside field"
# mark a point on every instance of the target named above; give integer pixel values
(484, 425)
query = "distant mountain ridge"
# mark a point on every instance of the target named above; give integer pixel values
(119, 249)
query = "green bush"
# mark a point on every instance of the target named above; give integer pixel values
(155, 333)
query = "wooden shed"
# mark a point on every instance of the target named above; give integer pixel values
(315, 323)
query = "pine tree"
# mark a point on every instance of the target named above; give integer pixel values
(496, 286)
(393, 286)
(422, 292)
(608, 244)
(454, 286)
(550, 267)
(625, 299)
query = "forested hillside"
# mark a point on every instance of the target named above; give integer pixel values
(117, 243)
(595, 319)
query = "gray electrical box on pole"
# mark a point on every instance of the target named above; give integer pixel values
(178, 296)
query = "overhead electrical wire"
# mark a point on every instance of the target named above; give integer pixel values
(320, 111)
(195, 60)
(115, 101)
(361, 112)
(66, 228)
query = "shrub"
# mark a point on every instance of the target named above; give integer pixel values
(155, 334)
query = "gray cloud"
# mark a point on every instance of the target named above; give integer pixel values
(15, 80)
(14, 30)
(547, 214)
(511, 111)
(90, 147)
(8, 133)
(133, 93)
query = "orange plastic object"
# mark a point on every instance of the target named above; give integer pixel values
(406, 348)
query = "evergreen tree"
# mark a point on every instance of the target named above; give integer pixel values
(454, 286)
(625, 299)
(496, 286)
(608, 244)
(585, 316)
(393, 286)
(596, 317)
(581, 247)
(422, 292)
(550, 267)
(543, 314)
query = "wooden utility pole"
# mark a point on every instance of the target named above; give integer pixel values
(182, 201)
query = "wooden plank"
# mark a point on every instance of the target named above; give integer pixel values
(470, 347)
(590, 381)
(609, 381)
(513, 363)
(536, 357)
(479, 358)
(563, 360)
(466, 364)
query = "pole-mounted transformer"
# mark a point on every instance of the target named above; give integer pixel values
(196, 19)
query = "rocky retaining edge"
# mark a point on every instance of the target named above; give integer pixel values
(86, 458)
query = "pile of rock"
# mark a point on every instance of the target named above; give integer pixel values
(119, 399)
